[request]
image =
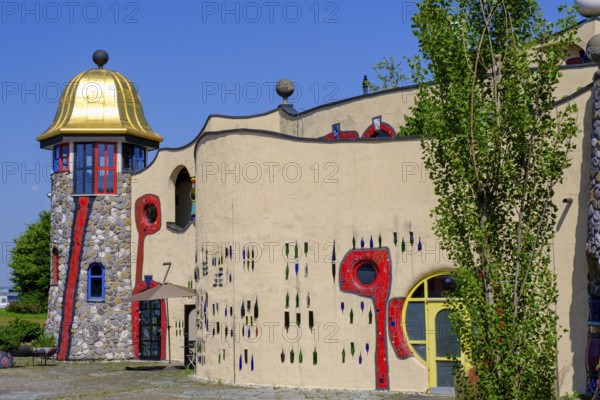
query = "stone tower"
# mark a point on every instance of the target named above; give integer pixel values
(98, 138)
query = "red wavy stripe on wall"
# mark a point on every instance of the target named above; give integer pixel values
(395, 328)
(72, 277)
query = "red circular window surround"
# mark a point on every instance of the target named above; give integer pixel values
(366, 273)
(383, 127)
(147, 221)
(145, 212)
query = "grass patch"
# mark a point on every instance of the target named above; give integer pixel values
(25, 362)
(6, 317)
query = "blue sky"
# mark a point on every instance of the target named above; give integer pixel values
(188, 59)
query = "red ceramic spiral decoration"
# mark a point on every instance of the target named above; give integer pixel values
(378, 290)
(147, 220)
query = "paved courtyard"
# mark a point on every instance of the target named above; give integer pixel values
(133, 381)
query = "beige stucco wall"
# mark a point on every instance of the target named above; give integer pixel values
(167, 246)
(382, 188)
(269, 121)
(586, 31)
(353, 115)
(356, 115)
(374, 188)
(569, 259)
(574, 78)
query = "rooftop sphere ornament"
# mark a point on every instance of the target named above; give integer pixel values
(100, 58)
(285, 88)
(588, 8)
(593, 49)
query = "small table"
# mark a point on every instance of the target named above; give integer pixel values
(45, 354)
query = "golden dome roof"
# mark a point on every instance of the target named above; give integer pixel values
(100, 102)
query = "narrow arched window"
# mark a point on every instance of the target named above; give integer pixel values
(183, 201)
(96, 282)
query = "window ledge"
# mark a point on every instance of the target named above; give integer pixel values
(173, 227)
(95, 300)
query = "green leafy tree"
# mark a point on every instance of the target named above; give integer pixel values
(389, 74)
(495, 147)
(30, 261)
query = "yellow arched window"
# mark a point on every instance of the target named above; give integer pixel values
(427, 326)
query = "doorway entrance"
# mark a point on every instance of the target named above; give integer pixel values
(441, 343)
(429, 333)
(150, 330)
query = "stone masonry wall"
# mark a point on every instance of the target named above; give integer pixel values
(61, 225)
(593, 244)
(100, 329)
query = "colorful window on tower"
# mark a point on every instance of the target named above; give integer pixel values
(134, 158)
(96, 282)
(83, 179)
(105, 171)
(61, 157)
(95, 168)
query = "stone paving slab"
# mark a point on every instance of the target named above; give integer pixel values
(143, 381)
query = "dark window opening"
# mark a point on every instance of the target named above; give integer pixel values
(381, 134)
(439, 285)
(366, 273)
(420, 291)
(183, 200)
(96, 282)
(151, 213)
(134, 158)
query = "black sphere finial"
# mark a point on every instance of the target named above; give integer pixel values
(100, 58)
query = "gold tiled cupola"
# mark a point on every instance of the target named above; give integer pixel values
(100, 102)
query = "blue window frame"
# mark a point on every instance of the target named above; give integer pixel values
(96, 282)
(55, 158)
(134, 158)
(60, 157)
(139, 158)
(83, 182)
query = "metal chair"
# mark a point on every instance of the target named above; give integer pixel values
(190, 354)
